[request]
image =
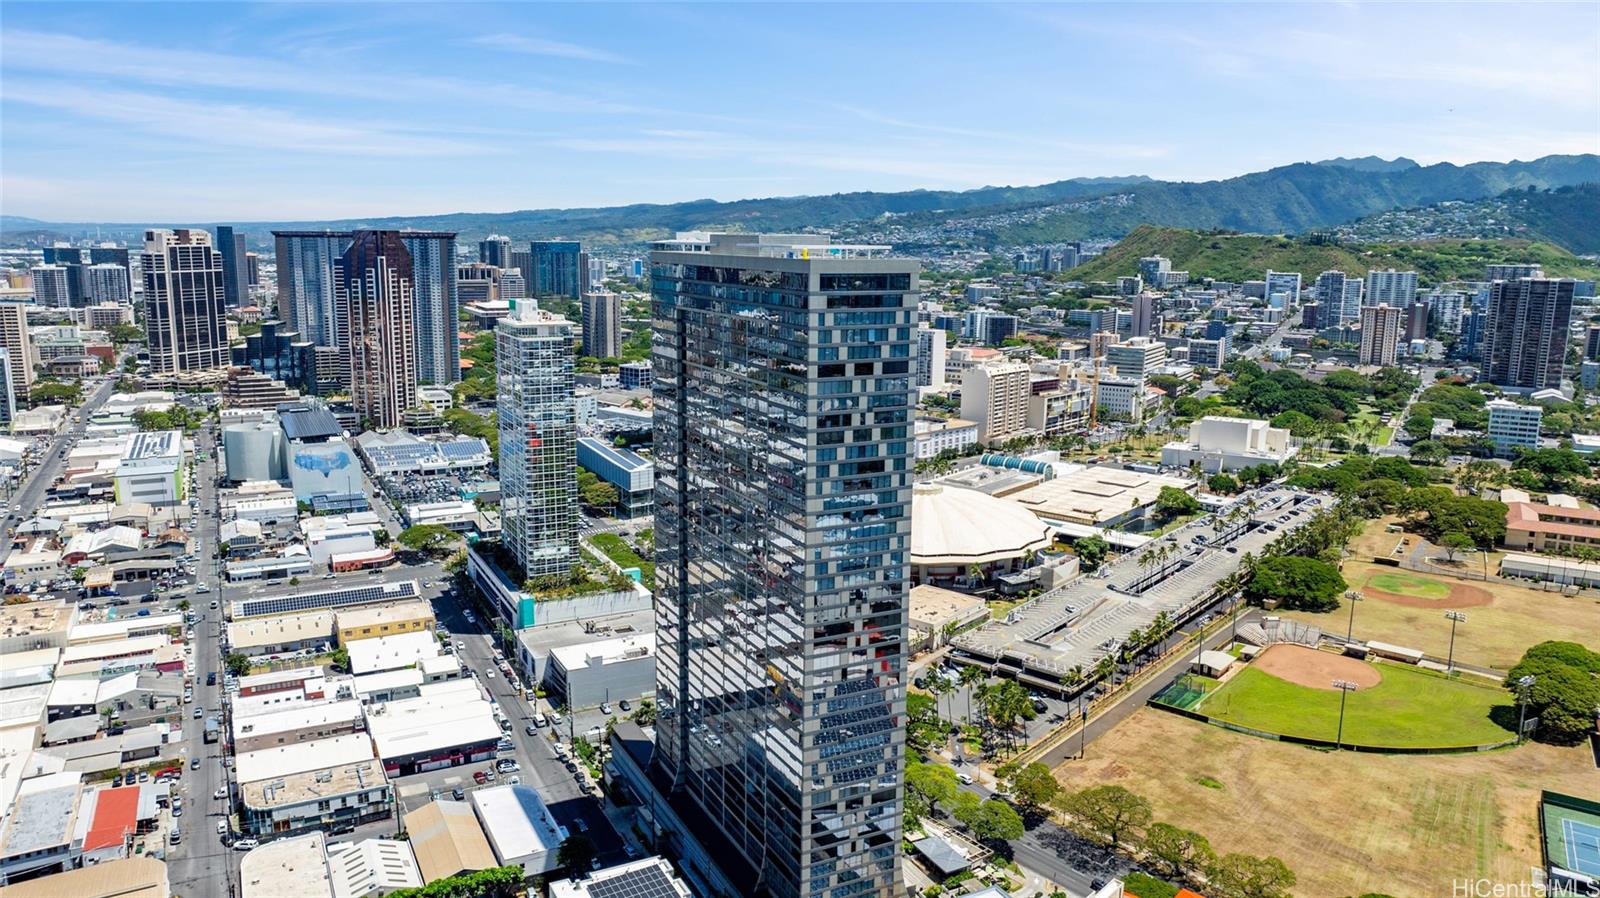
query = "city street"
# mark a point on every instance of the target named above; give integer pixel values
(31, 494)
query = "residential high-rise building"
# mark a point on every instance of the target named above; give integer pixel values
(111, 254)
(1137, 358)
(1512, 271)
(1154, 270)
(1417, 321)
(1286, 283)
(185, 318)
(1444, 310)
(930, 356)
(556, 270)
(106, 282)
(513, 285)
(1513, 426)
(52, 285)
(989, 327)
(783, 450)
(538, 440)
(1525, 333)
(1340, 297)
(63, 254)
(307, 260)
(8, 393)
(235, 268)
(1382, 328)
(602, 324)
(372, 291)
(1391, 288)
(495, 250)
(18, 345)
(1144, 314)
(995, 397)
(436, 305)
(522, 260)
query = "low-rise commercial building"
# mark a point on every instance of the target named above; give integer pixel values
(606, 670)
(294, 724)
(632, 475)
(1229, 444)
(372, 867)
(650, 877)
(1534, 527)
(449, 723)
(447, 839)
(521, 830)
(325, 785)
(384, 620)
(151, 470)
(934, 436)
(296, 866)
(282, 634)
(380, 653)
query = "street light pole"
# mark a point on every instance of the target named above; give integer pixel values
(1524, 683)
(1455, 617)
(1353, 597)
(1345, 687)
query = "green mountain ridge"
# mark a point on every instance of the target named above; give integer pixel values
(1240, 257)
(1567, 216)
(1289, 199)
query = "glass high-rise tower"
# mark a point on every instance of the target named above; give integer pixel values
(784, 388)
(184, 315)
(537, 414)
(556, 271)
(372, 289)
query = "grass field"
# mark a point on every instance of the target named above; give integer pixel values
(1406, 584)
(1494, 635)
(1345, 822)
(1410, 708)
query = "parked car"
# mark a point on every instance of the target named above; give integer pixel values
(246, 844)
(624, 705)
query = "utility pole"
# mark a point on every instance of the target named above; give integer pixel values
(1345, 687)
(1455, 617)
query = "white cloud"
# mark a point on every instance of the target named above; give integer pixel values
(538, 46)
(211, 124)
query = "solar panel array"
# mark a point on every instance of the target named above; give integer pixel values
(464, 448)
(645, 882)
(313, 601)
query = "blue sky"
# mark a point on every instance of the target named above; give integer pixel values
(200, 112)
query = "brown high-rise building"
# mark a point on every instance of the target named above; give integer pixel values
(1525, 333)
(373, 294)
(184, 313)
(1417, 321)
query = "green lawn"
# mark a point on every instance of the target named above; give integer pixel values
(1408, 585)
(623, 554)
(1410, 708)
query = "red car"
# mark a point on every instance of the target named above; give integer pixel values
(480, 777)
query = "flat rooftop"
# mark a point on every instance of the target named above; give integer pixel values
(1078, 624)
(516, 821)
(165, 444)
(286, 628)
(1093, 495)
(285, 760)
(446, 714)
(313, 785)
(34, 619)
(296, 866)
(378, 615)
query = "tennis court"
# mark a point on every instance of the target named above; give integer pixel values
(1572, 834)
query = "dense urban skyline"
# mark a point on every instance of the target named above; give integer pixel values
(116, 113)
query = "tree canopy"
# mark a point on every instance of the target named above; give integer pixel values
(1565, 690)
(1172, 502)
(427, 538)
(1296, 583)
(1111, 812)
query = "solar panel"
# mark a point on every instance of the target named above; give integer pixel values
(329, 599)
(645, 882)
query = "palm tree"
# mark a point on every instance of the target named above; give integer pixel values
(1104, 667)
(970, 677)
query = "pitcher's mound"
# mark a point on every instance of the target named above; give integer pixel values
(1305, 666)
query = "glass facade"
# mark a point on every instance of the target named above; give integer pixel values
(280, 354)
(783, 404)
(373, 294)
(538, 441)
(433, 280)
(556, 269)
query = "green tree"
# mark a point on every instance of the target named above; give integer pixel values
(1296, 583)
(1034, 785)
(1172, 502)
(644, 713)
(1455, 541)
(991, 820)
(47, 392)
(1110, 812)
(1178, 851)
(340, 658)
(575, 853)
(599, 494)
(427, 538)
(1226, 484)
(237, 664)
(931, 785)
(1565, 690)
(125, 333)
(1482, 520)
(1247, 876)
(1091, 551)
(1419, 426)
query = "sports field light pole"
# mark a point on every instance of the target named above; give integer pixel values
(1455, 617)
(1352, 597)
(1345, 687)
(1524, 683)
